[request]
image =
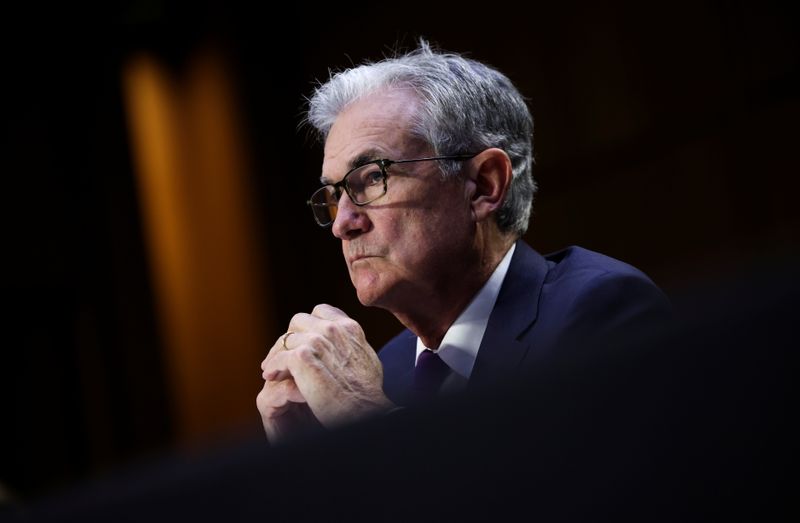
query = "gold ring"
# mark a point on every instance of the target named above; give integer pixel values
(284, 339)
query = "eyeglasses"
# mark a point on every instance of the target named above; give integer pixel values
(363, 184)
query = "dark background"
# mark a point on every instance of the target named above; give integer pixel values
(665, 136)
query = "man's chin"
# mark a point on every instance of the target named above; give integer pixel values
(368, 298)
(370, 294)
(367, 285)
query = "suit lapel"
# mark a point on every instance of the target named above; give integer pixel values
(514, 313)
(398, 367)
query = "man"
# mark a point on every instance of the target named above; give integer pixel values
(427, 181)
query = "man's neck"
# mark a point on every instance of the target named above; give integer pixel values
(435, 313)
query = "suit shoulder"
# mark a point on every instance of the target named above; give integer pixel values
(588, 282)
(599, 296)
(578, 263)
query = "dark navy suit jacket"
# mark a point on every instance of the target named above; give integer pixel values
(549, 307)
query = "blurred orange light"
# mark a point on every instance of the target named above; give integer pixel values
(202, 240)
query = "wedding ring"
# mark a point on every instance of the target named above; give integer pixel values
(284, 339)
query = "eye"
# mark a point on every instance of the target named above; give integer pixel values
(373, 178)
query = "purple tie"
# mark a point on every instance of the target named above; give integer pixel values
(429, 374)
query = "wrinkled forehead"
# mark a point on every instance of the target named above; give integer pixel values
(376, 126)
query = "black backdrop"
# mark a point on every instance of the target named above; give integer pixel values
(665, 136)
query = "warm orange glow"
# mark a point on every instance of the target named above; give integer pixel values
(202, 240)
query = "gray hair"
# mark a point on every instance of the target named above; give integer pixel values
(466, 107)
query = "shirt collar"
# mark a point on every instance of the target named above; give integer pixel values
(461, 342)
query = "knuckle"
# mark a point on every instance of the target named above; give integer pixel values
(320, 307)
(350, 326)
(331, 330)
(316, 341)
(295, 319)
(307, 354)
(271, 396)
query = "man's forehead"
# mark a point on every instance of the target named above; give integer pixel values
(352, 138)
(354, 149)
(375, 118)
(358, 148)
(376, 126)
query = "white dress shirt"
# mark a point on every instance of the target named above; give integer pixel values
(461, 342)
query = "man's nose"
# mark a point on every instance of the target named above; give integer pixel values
(351, 220)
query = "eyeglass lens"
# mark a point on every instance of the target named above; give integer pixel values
(363, 185)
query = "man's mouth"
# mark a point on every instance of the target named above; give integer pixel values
(360, 257)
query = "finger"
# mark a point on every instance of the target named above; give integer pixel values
(304, 349)
(288, 344)
(303, 322)
(329, 312)
(276, 347)
(278, 394)
(305, 366)
(276, 367)
(322, 319)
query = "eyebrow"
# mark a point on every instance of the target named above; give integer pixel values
(370, 155)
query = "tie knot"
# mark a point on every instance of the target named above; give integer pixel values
(429, 374)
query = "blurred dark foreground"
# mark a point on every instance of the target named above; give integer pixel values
(693, 423)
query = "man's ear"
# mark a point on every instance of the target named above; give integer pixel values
(491, 174)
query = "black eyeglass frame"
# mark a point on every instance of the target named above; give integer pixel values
(382, 163)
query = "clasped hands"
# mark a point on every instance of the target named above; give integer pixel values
(321, 373)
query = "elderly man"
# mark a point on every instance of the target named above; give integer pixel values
(427, 181)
